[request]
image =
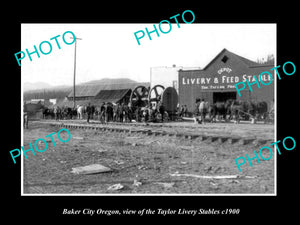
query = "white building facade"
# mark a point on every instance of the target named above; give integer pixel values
(167, 76)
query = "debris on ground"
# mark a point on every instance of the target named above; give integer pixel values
(78, 138)
(115, 187)
(155, 158)
(136, 183)
(166, 185)
(119, 162)
(138, 141)
(101, 150)
(212, 177)
(90, 169)
(142, 167)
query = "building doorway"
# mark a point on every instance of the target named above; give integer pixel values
(223, 96)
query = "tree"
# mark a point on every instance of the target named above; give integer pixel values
(269, 60)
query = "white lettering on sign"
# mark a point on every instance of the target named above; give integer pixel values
(202, 80)
(206, 80)
(252, 79)
(224, 69)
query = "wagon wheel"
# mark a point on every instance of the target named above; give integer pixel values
(156, 93)
(139, 96)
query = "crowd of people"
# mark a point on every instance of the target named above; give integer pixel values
(109, 112)
(155, 112)
(127, 113)
(230, 109)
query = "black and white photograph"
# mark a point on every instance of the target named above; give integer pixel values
(148, 109)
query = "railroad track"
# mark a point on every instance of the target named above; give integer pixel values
(205, 133)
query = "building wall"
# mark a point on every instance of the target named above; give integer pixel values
(265, 92)
(220, 77)
(166, 76)
(80, 98)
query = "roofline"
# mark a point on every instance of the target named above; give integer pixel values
(262, 65)
(258, 66)
(215, 58)
(70, 95)
(191, 70)
(235, 55)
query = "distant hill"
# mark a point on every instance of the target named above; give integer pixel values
(42, 90)
(41, 86)
(50, 93)
(35, 86)
(106, 81)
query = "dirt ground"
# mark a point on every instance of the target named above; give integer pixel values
(145, 164)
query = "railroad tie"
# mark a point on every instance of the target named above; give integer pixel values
(192, 136)
(179, 135)
(260, 141)
(202, 137)
(233, 140)
(156, 133)
(245, 141)
(222, 139)
(145, 130)
(213, 138)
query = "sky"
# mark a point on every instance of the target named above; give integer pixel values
(111, 50)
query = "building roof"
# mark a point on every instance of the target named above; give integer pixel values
(94, 90)
(247, 62)
(111, 95)
(85, 90)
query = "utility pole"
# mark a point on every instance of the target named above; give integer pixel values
(76, 38)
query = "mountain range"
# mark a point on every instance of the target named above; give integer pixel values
(41, 86)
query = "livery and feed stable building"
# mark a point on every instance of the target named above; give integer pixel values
(216, 82)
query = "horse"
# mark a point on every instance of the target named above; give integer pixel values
(64, 113)
(108, 112)
(80, 111)
(68, 113)
(261, 110)
(238, 108)
(249, 109)
(46, 112)
(203, 108)
(220, 110)
(127, 113)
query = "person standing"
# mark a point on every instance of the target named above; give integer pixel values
(181, 109)
(161, 110)
(121, 113)
(185, 111)
(202, 110)
(25, 120)
(56, 112)
(196, 110)
(88, 111)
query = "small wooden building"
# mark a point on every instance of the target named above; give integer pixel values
(99, 93)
